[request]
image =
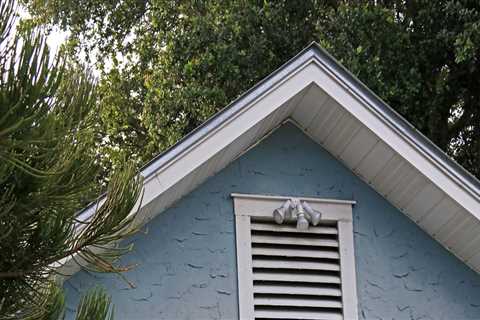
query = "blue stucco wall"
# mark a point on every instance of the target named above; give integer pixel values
(187, 259)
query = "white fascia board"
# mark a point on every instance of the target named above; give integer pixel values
(357, 103)
(311, 66)
(184, 145)
(230, 129)
(227, 113)
(354, 85)
(362, 108)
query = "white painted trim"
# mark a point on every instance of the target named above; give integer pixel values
(312, 72)
(244, 267)
(218, 139)
(339, 211)
(263, 206)
(358, 106)
(347, 272)
(283, 198)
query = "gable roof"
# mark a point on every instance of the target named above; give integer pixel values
(335, 109)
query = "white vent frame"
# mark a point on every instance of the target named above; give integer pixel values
(249, 205)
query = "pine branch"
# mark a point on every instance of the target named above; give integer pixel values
(48, 172)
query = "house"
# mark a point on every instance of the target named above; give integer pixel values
(306, 198)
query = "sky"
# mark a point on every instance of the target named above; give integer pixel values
(54, 39)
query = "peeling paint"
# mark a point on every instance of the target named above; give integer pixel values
(200, 285)
(143, 298)
(224, 292)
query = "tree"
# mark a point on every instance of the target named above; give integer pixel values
(48, 172)
(169, 65)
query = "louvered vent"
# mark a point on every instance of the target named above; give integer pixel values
(286, 272)
(296, 274)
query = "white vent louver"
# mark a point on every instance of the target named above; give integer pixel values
(288, 273)
(296, 274)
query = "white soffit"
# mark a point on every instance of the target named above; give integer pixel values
(354, 125)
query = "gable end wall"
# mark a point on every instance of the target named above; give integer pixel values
(187, 260)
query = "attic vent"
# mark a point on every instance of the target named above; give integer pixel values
(288, 273)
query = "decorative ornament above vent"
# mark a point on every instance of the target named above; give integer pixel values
(296, 210)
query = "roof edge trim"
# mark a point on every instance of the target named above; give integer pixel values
(461, 176)
(314, 52)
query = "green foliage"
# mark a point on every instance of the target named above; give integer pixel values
(169, 65)
(95, 305)
(48, 172)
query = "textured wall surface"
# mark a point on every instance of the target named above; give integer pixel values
(187, 259)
